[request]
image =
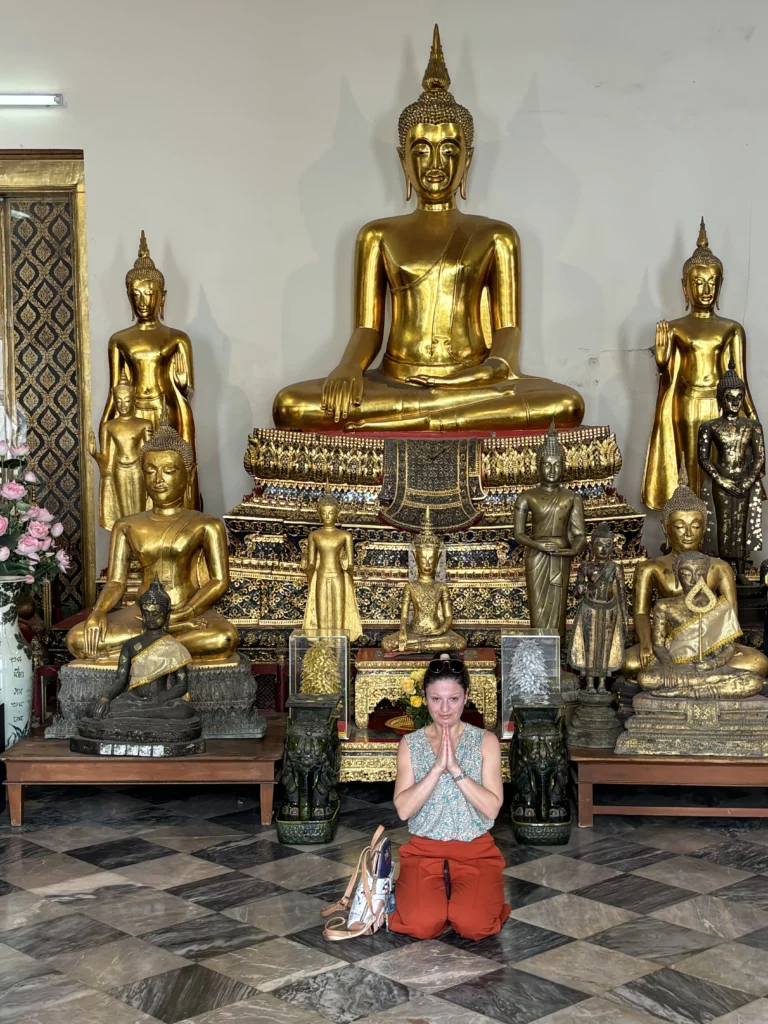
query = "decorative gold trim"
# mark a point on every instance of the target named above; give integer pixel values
(61, 171)
(374, 683)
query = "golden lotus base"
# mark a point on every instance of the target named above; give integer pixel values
(675, 726)
(371, 756)
(380, 677)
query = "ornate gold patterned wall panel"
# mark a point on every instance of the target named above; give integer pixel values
(46, 358)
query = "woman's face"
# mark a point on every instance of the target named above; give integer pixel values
(445, 701)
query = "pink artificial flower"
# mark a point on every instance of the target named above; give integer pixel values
(30, 478)
(5, 554)
(56, 530)
(29, 579)
(63, 559)
(3, 525)
(12, 490)
(3, 448)
(27, 545)
(19, 450)
(42, 514)
(45, 543)
(37, 529)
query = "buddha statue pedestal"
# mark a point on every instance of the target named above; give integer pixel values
(696, 728)
(595, 724)
(380, 676)
(223, 693)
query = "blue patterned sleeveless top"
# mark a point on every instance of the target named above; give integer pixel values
(447, 814)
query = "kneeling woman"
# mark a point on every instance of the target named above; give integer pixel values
(449, 789)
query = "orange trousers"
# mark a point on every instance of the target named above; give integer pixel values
(476, 907)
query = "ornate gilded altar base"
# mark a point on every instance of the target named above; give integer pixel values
(483, 569)
(701, 728)
(381, 677)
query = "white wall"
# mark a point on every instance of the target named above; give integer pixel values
(252, 139)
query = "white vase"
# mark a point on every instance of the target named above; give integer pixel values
(16, 674)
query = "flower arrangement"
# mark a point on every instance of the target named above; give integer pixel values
(413, 699)
(28, 531)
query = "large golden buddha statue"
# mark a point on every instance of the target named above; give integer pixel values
(155, 359)
(186, 549)
(452, 356)
(692, 354)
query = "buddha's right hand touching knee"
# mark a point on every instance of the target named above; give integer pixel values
(94, 633)
(342, 389)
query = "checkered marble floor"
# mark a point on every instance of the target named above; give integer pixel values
(174, 904)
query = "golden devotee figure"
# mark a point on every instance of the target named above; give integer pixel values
(185, 548)
(429, 629)
(693, 638)
(157, 359)
(451, 360)
(121, 490)
(331, 602)
(683, 520)
(558, 534)
(692, 354)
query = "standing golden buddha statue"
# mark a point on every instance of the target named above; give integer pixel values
(155, 358)
(328, 561)
(692, 354)
(451, 360)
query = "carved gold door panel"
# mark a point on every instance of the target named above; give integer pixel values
(44, 337)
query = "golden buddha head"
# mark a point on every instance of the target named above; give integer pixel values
(426, 548)
(145, 285)
(124, 395)
(550, 457)
(702, 275)
(731, 390)
(684, 517)
(328, 509)
(436, 135)
(168, 464)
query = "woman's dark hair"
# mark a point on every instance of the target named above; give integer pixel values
(446, 667)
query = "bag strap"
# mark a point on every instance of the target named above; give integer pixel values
(362, 862)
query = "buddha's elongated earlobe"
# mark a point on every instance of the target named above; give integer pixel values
(463, 184)
(408, 189)
(685, 294)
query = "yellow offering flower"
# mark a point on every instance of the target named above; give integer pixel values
(408, 686)
(418, 675)
(416, 701)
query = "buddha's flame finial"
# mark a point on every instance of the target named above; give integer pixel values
(426, 537)
(436, 77)
(683, 499)
(143, 247)
(144, 268)
(682, 474)
(164, 418)
(702, 254)
(124, 385)
(702, 241)
(167, 439)
(551, 443)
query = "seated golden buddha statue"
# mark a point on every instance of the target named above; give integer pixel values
(451, 360)
(428, 604)
(683, 519)
(185, 548)
(693, 638)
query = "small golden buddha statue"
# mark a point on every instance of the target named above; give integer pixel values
(451, 360)
(683, 520)
(692, 354)
(331, 601)
(185, 548)
(121, 491)
(693, 641)
(428, 604)
(558, 535)
(155, 358)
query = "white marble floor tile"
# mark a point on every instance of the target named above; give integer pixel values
(562, 873)
(573, 915)
(300, 872)
(692, 874)
(714, 916)
(598, 1011)
(118, 963)
(427, 966)
(732, 964)
(73, 837)
(280, 915)
(588, 968)
(268, 965)
(753, 1013)
(176, 869)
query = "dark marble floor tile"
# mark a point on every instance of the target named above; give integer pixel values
(6, 888)
(758, 939)
(680, 998)
(244, 821)
(344, 853)
(517, 940)
(651, 939)
(60, 935)
(150, 815)
(370, 792)
(736, 853)
(119, 853)
(753, 891)
(245, 853)
(35, 817)
(618, 853)
(640, 895)
(328, 892)
(183, 993)
(381, 941)
(13, 848)
(511, 996)
(89, 897)
(204, 937)
(224, 891)
(514, 854)
(60, 795)
(345, 995)
(368, 820)
(519, 893)
(30, 990)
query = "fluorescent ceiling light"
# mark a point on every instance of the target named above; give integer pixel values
(31, 99)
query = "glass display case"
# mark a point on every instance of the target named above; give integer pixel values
(530, 673)
(318, 662)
